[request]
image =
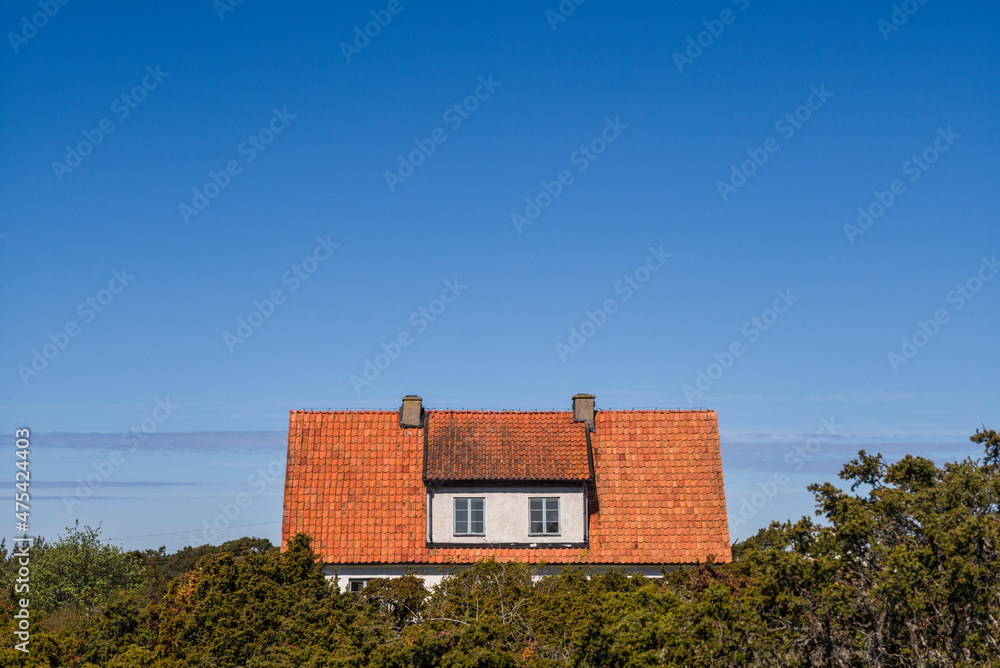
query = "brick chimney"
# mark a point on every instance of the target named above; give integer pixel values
(583, 409)
(411, 414)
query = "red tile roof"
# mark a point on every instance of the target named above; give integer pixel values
(354, 483)
(505, 445)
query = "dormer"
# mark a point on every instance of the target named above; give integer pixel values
(509, 478)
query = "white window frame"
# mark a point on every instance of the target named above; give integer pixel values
(351, 582)
(468, 502)
(547, 503)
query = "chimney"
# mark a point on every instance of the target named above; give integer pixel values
(583, 409)
(411, 414)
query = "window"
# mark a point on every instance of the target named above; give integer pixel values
(356, 585)
(544, 518)
(470, 516)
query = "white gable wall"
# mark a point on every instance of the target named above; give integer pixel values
(507, 514)
(433, 575)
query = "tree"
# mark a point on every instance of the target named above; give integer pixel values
(78, 569)
(905, 573)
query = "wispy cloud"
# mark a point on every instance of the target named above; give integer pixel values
(203, 441)
(58, 484)
(765, 452)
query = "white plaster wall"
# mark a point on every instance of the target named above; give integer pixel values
(507, 514)
(433, 575)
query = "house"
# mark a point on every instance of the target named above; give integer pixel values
(383, 492)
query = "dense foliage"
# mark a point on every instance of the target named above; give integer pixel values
(903, 571)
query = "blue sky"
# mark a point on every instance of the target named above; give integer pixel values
(726, 144)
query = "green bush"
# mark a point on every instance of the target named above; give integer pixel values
(79, 570)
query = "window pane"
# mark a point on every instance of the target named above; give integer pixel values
(543, 516)
(470, 516)
(461, 516)
(552, 515)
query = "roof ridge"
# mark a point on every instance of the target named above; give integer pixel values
(501, 410)
(495, 410)
(344, 410)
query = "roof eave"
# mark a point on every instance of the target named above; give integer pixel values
(506, 481)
